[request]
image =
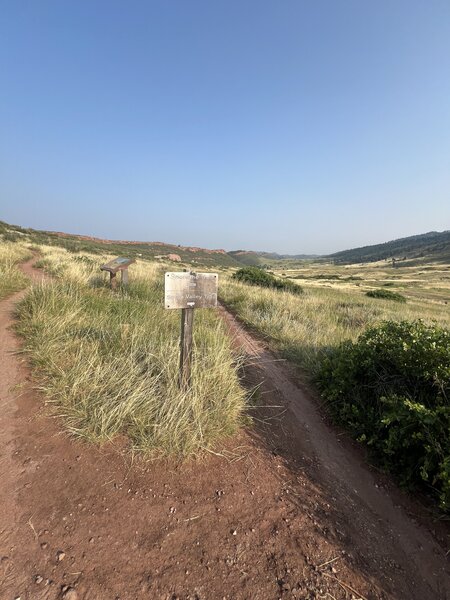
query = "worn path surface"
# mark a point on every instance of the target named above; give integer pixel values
(379, 526)
(282, 511)
(12, 377)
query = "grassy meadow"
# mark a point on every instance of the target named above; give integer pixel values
(108, 361)
(334, 306)
(11, 278)
(373, 338)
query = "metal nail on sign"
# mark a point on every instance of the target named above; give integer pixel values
(188, 291)
(191, 290)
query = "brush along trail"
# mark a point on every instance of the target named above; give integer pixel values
(286, 509)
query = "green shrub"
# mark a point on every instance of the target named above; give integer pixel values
(386, 295)
(391, 389)
(325, 276)
(257, 276)
(11, 236)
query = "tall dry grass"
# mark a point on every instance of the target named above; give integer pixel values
(109, 361)
(11, 278)
(301, 327)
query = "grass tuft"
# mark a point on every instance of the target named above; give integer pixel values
(11, 278)
(109, 361)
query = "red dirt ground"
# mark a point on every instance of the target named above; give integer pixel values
(285, 510)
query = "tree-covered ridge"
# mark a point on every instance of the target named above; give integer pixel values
(434, 246)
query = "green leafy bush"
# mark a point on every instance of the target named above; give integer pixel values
(391, 389)
(257, 276)
(386, 295)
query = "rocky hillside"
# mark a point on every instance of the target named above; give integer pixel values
(149, 250)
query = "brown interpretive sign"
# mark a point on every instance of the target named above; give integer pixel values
(118, 264)
(191, 290)
(187, 291)
(114, 266)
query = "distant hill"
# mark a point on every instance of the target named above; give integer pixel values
(149, 250)
(427, 247)
(257, 259)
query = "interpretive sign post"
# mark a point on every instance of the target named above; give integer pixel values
(187, 290)
(114, 266)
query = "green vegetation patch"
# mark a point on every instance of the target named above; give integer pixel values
(391, 389)
(386, 295)
(331, 276)
(261, 278)
(109, 363)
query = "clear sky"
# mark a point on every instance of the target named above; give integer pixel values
(294, 126)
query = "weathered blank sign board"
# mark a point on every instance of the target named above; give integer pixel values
(190, 290)
(118, 264)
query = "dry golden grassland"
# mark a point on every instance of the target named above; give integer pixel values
(11, 278)
(334, 306)
(108, 361)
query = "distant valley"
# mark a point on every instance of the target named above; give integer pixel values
(428, 247)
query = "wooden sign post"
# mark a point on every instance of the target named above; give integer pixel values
(187, 290)
(187, 322)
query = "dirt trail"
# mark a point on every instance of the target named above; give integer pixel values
(12, 375)
(379, 523)
(282, 511)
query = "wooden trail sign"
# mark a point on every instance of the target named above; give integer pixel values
(187, 290)
(190, 290)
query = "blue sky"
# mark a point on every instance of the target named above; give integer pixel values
(294, 126)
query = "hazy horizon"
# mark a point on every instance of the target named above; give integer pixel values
(307, 127)
(237, 249)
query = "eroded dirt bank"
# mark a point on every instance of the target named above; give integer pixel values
(281, 511)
